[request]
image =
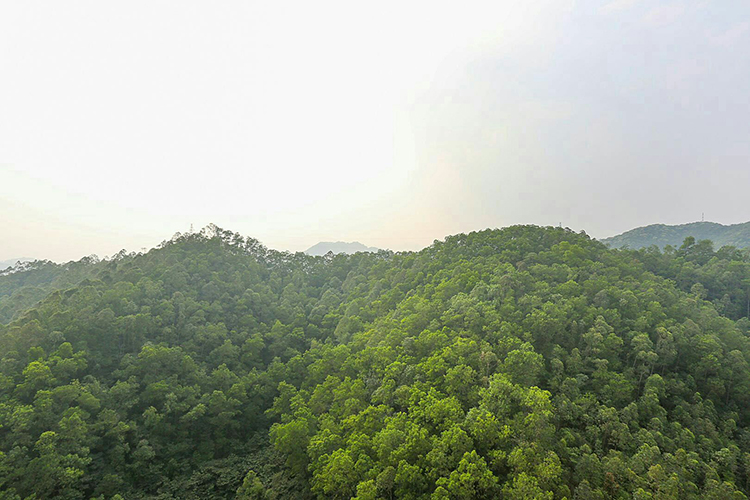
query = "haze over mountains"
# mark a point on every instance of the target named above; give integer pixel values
(337, 247)
(661, 235)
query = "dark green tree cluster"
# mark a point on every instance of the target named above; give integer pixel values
(720, 276)
(523, 363)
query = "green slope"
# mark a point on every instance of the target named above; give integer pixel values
(518, 363)
(23, 286)
(661, 235)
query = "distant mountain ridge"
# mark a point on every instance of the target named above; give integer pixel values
(346, 247)
(5, 264)
(661, 235)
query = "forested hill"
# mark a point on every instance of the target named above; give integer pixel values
(523, 363)
(661, 235)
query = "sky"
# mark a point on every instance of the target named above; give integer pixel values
(389, 123)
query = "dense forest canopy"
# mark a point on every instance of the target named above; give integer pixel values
(523, 363)
(663, 235)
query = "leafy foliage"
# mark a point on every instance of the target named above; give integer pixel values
(722, 276)
(521, 363)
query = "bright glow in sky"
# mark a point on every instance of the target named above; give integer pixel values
(391, 123)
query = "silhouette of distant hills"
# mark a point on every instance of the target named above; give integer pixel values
(324, 247)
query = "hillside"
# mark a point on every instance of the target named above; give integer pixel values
(26, 283)
(522, 363)
(337, 247)
(661, 235)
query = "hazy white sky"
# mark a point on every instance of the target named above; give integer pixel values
(391, 123)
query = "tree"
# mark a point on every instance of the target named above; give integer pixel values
(251, 488)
